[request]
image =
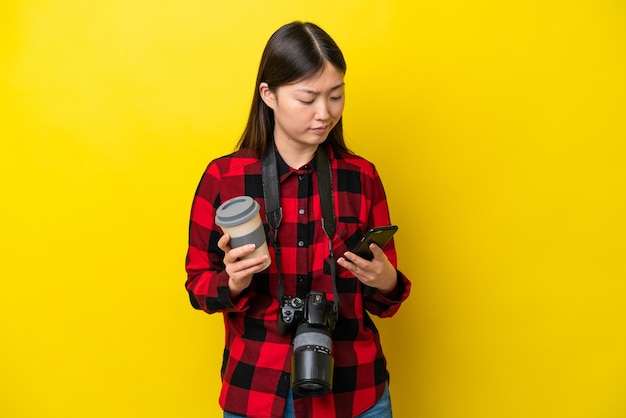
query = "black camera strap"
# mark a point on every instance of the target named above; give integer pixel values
(274, 212)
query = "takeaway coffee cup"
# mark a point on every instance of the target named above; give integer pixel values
(239, 217)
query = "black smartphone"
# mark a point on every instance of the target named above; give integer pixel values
(379, 236)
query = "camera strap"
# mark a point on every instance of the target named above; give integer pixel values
(274, 212)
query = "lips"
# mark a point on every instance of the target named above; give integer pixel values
(320, 129)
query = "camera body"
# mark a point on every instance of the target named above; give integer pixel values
(291, 314)
(316, 310)
(312, 363)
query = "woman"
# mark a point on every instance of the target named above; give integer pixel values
(295, 126)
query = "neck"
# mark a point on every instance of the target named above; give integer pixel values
(295, 156)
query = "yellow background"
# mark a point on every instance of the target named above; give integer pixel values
(498, 128)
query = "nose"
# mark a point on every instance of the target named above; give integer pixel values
(322, 111)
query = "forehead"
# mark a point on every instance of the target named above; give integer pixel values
(328, 78)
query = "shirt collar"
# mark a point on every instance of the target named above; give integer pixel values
(284, 171)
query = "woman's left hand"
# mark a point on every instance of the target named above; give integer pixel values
(378, 273)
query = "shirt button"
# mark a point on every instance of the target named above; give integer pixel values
(300, 177)
(300, 243)
(301, 211)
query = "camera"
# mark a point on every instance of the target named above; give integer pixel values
(312, 362)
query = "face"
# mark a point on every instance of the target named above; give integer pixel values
(307, 110)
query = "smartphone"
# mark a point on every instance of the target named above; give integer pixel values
(379, 236)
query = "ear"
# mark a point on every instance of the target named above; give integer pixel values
(267, 95)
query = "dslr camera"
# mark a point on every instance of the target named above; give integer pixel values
(312, 362)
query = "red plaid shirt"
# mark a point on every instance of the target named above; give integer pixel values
(256, 365)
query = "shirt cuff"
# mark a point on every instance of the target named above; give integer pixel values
(242, 301)
(398, 295)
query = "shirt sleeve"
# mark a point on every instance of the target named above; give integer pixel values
(207, 280)
(386, 306)
(375, 302)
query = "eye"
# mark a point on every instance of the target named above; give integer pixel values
(306, 102)
(336, 98)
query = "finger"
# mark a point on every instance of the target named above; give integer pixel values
(379, 254)
(242, 268)
(256, 267)
(242, 251)
(355, 259)
(222, 243)
(343, 262)
(349, 256)
(352, 266)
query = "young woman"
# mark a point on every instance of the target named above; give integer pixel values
(295, 126)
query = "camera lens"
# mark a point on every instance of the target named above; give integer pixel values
(312, 362)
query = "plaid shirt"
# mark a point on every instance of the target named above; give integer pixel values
(256, 365)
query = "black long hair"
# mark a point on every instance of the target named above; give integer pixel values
(294, 52)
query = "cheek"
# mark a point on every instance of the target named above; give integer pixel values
(297, 112)
(336, 109)
(289, 115)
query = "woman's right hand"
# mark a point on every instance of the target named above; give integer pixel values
(239, 271)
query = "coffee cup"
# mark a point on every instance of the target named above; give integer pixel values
(239, 217)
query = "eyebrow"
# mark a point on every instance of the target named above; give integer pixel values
(311, 91)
